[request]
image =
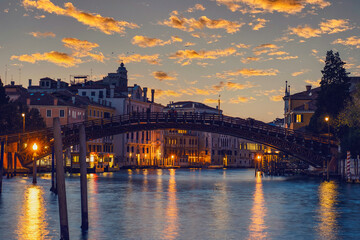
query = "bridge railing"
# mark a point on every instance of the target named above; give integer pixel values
(152, 117)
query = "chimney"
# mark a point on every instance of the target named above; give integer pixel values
(28, 101)
(30, 81)
(12, 83)
(112, 89)
(152, 95)
(73, 99)
(308, 88)
(55, 101)
(58, 83)
(145, 94)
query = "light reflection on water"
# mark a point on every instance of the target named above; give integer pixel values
(32, 224)
(184, 204)
(328, 225)
(258, 212)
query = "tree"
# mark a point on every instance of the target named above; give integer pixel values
(4, 99)
(333, 95)
(349, 122)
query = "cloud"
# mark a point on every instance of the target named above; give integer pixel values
(160, 75)
(58, 58)
(241, 45)
(287, 57)
(42, 35)
(190, 24)
(283, 6)
(188, 44)
(276, 98)
(6, 10)
(232, 86)
(302, 71)
(248, 72)
(143, 41)
(314, 83)
(189, 55)
(176, 39)
(151, 59)
(197, 7)
(266, 45)
(330, 26)
(210, 100)
(278, 53)
(167, 93)
(106, 25)
(241, 99)
(260, 24)
(350, 41)
(83, 48)
(250, 59)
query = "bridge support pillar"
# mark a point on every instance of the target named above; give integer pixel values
(60, 181)
(83, 180)
(53, 187)
(1, 163)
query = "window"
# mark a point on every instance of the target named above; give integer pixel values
(62, 113)
(48, 113)
(93, 93)
(101, 94)
(83, 93)
(299, 118)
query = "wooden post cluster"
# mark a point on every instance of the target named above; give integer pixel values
(83, 179)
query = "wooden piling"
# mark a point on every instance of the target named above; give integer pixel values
(83, 179)
(34, 170)
(53, 187)
(60, 181)
(1, 164)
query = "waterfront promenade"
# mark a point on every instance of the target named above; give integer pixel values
(184, 204)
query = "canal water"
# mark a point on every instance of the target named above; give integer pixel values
(184, 204)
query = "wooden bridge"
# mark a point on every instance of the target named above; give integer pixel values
(313, 149)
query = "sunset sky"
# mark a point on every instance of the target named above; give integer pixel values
(243, 50)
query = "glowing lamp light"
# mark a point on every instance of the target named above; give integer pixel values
(172, 156)
(35, 147)
(258, 157)
(327, 119)
(23, 114)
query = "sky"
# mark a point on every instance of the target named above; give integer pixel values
(240, 50)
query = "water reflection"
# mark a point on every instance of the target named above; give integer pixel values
(171, 212)
(220, 207)
(257, 228)
(328, 225)
(32, 223)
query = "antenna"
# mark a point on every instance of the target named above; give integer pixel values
(91, 74)
(19, 76)
(219, 104)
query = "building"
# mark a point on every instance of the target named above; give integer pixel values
(48, 85)
(188, 148)
(299, 107)
(14, 91)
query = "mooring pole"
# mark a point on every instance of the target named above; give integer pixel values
(34, 169)
(83, 179)
(1, 164)
(53, 187)
(60, 181)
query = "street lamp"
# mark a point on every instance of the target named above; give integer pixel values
(327, 119)
(257, 163)
(34, 148)
(23, 116)
(172, 160)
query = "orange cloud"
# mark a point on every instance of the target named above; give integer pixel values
(160, 75)
(210, 100)
(188, 55)
(241, 99)
(151, 59)
(302, 71)
(260, 24)
(167, 93)
(58, 58)
(143, 41)
(42, 35)
(190, 24)
(278, 53)
(250, 59)
(276, 98)
(232, 86)
(266, 45)
(197, 7)
(314, 83)
(330, 26)
(82, 48)
(106, 25)
(241, 45)
(287, 57)
(350, 41)
(284, 6)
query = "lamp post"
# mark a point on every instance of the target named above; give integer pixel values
(23, 116)
(327, 119)
(35, 148)
(257, 163)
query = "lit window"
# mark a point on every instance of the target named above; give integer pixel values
(299, 118)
